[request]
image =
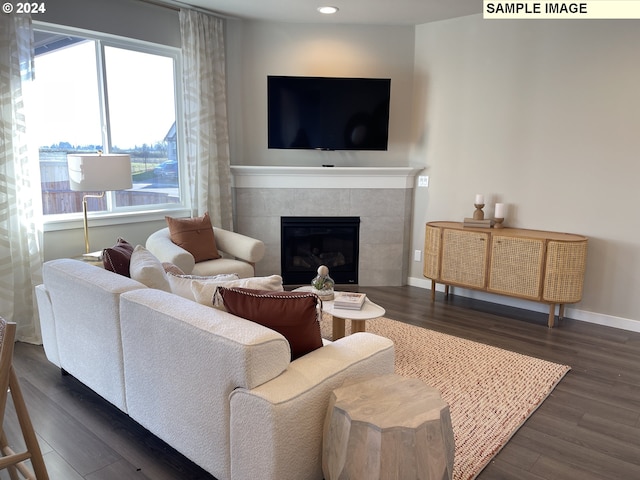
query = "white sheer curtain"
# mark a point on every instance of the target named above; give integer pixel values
(205, 112)
(20, 235)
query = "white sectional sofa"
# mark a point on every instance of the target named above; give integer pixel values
(218, 388)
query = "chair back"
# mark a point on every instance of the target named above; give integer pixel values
(7, 338)
(15, 462)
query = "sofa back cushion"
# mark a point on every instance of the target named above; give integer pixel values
(147, 269)
(204, 292)
(182, 284)
(295, 315)
(183, 360)
(86, 303)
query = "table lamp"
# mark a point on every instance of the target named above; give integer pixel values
(97, 173)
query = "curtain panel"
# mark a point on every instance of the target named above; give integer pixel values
(20, 198)
(205, 116)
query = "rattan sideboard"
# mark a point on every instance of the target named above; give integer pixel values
(534, 265)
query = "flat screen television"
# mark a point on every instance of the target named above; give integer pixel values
(328, 113)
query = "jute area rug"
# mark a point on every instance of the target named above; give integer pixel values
(490, 391)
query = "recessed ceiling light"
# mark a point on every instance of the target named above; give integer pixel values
(327, 10)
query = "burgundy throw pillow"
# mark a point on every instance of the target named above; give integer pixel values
(195, 235)
(292, 314)
(118, 258)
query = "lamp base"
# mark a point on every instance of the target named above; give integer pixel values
(86, 223)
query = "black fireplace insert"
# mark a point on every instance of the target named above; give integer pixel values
(308, 242)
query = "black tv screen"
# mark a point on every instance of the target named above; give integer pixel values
(328, 113)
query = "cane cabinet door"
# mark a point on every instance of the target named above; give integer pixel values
(432, 245)
(516, 266)
(564, 271)
(464, 257)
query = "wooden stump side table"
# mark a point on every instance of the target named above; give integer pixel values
(387, 427)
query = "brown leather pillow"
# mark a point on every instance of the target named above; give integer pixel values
(293, 314)
(118, 258)
(195, 235)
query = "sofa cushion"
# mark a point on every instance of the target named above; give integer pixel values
(195, 235)
(181, 284)
(205, 292)
(148, 270)
(117, 258)
(292, 314)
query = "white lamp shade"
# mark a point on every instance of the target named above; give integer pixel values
(99, 173)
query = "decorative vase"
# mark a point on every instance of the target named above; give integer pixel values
(322, 284)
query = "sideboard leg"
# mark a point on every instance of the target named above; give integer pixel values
(561, 311)
(433, 290)
(552, 314)
(446, 290)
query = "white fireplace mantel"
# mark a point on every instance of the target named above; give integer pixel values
(249, 176)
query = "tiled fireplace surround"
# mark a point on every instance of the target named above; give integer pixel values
(381, 197)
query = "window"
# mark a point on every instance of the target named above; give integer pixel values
(116, 96)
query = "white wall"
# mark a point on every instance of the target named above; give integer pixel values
(258, 49)
(544, 116)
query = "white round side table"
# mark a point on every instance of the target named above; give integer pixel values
(369, 311)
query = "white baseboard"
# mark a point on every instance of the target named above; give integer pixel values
(569, 312)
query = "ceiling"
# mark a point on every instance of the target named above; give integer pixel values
(366, 12)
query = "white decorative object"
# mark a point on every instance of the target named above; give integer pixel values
(478, 214)
(499, 215)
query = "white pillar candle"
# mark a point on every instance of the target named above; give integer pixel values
(479, 199)
(499, 210)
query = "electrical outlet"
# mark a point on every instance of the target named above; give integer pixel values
(417, 255)
(423, 180)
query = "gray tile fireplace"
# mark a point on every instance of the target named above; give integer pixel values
(381, 198)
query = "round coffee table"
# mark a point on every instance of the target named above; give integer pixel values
(358, 318)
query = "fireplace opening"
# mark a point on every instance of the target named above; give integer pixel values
(308, 242)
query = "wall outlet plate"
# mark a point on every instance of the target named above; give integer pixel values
(423, 180)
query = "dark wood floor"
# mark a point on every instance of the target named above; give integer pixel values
(589, 428)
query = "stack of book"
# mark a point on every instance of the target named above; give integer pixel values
(349, 300)
(470, 222)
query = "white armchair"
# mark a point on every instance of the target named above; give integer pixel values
(239, 253)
